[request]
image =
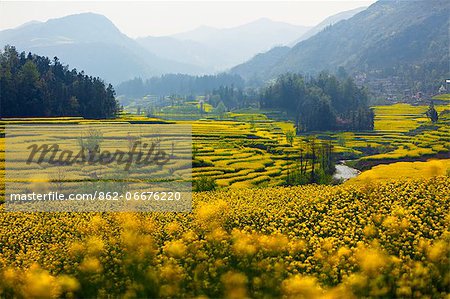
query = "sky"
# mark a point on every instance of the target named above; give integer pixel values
(157, 18)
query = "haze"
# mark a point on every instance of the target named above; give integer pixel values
(145, 18)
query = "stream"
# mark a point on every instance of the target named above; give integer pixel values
(344, 172)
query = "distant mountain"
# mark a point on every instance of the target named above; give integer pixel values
(235, 45)
(28, 23)
(187, 51)
(92, 43)
(389, 38)
(328, 22)
(199, 34)
(256, 67)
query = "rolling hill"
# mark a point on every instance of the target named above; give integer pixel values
(256, 69)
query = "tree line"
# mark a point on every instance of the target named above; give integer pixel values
(325, 102)
(178, 84)
(35, 86)
(233, 97)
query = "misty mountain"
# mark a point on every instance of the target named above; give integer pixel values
(328, 22)
(232, 46)
(187, 51)
(92, 43)
(256, 67)
(388, 38)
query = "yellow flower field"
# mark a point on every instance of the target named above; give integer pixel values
(369, 240)
(400, 170)
(384, 234)
(250, 150)
(401, 117)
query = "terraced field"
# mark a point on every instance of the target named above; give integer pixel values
(239, 154)
(246, 154)
(355, 240)
(402, 132)
(251, 150)
(234, 153)
(442, 97)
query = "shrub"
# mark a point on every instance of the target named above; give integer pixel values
(204, 183)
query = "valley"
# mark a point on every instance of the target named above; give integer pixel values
(250, 150)
(225, 150)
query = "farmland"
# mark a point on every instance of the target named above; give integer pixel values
(402, 132)
(243, 150)
(384, 240)
(402, 170)
(382, 234)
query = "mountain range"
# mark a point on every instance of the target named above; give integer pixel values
(389, 38)
(92, 43)
(386, 38)
(238, 44)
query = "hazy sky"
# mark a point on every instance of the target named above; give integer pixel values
(161, 18)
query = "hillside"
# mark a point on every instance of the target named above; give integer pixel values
(256, 68)
(328, 22)
(91, 42)
(389, 38)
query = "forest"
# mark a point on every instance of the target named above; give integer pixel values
(35, 86)
(322, 103)
(178, 84)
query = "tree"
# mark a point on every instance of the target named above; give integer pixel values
(35, 86)
(432, 113)
(220, 110)
(205, 183)
(181, 84)
(321, 103)
(28, 91)
(290, 135)
(317, 155)
(312, 146)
